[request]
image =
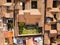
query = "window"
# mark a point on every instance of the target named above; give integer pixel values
(48, 19)
(58, 36)
(52, 40)
(8, 0)
(23, 5)
(3, 19)
(55, 16)
(6, 40)
(10, 23)
(53, 26)
(54, 4)
(40, 29)
(24, 42)
(34, 4)
(8, 7)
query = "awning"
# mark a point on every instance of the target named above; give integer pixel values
(32, 12)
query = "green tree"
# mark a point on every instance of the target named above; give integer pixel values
(20, 25)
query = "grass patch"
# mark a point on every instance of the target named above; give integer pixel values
(30, 31)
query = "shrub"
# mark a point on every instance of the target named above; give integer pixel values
(20, 25)
(40, 29)
(10, 25)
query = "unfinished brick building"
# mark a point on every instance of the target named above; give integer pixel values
(27, 19)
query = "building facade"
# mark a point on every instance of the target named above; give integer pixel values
(52, 22)
(27, 19)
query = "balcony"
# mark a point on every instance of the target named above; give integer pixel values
(58, 17)
(10, 8)
(54, 10)
(53, 33)
(47, 27)
(29, 16)
(54, 43)
(54, 21)
(49, 4)
(7, 4)
(8, 15)
(58, 32)
(58, 28)
(5, 27)
(10, 5)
